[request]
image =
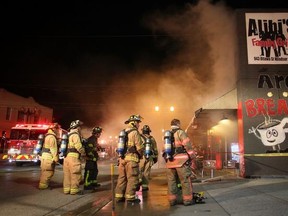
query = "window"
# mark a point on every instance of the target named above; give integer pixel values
(8, 113)
(21, 117)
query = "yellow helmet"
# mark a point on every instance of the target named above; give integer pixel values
(134, 118)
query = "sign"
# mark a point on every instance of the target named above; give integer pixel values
(266, 35)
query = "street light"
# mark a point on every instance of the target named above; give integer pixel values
(171, 108)
(158, 109)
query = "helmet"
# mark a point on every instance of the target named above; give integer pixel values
(96, 130)
(75, 124)
(133, 118)
(146, 129)
(175, 122)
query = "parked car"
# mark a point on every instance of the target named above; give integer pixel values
(103, 154)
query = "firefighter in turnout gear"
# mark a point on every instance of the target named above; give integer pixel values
(149, 158)
(128, 168)
(49, 156)
(91, 168)
(72, 162)
(179, 165)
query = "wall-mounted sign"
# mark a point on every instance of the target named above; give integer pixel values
(267, 38)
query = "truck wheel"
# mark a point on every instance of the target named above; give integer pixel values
(19, 164)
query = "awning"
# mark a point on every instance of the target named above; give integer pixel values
(226, 101)
(210, 114)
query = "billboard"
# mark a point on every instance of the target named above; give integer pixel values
(267, 38)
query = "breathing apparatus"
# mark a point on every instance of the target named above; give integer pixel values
(147, 147)
(63, 145)
(39, 144)
(121, 143)
(168, 145)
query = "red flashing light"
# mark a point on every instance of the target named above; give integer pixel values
(44, 126)
(19, 125)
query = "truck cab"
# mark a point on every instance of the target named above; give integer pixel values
(22, 142)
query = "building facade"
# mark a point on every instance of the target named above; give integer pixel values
(15, 109)
(259, 103)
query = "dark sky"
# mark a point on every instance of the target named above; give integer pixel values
(85, 58)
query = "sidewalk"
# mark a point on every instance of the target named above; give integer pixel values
(226, 194)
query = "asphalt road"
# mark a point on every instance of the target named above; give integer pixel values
(20, 195)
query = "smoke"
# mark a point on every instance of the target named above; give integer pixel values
(191, 63)
(199, 45)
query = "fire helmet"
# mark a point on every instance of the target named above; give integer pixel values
(75, 124)
(97, 130)
(146, 129)
(134, 118)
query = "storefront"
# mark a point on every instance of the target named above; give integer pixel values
(258, 106)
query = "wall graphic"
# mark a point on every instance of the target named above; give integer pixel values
(272, 132)
(267, 38)
(264, 109)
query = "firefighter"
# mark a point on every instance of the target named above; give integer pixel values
(128, 167)
(178, 166)
(91, 168)
(49, 156)
(3, 142)
(149, 158)
(72, 161)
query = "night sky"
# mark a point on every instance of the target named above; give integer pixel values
(91, 61)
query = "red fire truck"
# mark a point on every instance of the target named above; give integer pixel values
(22, 142)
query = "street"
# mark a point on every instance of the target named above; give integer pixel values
(227, 194)
(20, 195)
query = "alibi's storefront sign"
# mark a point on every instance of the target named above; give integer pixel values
(263, 92)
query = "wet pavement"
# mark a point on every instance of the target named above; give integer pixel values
(225, 192)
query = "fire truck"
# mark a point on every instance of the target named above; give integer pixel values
(22, 142)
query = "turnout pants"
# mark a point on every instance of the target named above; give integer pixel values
(91, 173)
(72, 175)
(47, 171)
(184, 175)
(128, 180)
(145, 169)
